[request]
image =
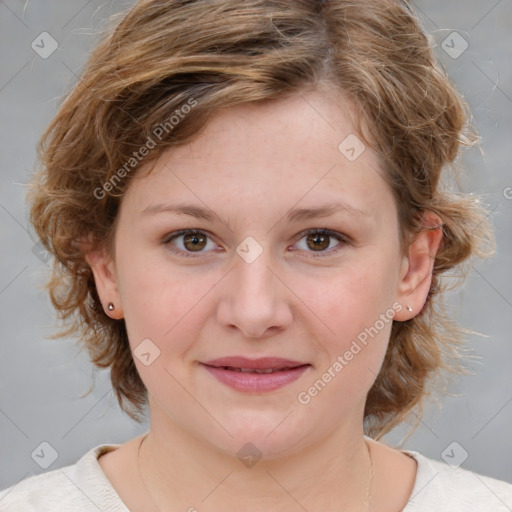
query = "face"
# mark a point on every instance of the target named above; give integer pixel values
(262, 278)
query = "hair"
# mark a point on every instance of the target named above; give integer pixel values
(209, 54)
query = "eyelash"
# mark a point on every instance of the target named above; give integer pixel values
(316, 231)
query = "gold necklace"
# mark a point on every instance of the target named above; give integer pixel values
(366, 502)
(370, 485)
(140, 474)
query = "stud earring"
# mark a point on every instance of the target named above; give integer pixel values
(110, 306)
(409, 309)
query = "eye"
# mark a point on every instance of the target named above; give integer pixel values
(193, 241)
(319, 241)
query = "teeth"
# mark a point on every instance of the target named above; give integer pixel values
(247, 370)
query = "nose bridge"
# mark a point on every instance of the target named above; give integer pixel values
(255, 276)
(254, 282)
(254, 300)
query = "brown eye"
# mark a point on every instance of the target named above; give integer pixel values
(318, 241)
(194, 242)
(187, 242)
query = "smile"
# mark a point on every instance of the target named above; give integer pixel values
(255, 380)
(252, 370)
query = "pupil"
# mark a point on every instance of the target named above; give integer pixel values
(319, 241)
(195, 239)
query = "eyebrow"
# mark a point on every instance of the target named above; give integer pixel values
(325, 210)
(320, 211)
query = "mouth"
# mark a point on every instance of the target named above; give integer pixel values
(255, 370)
(257, 375)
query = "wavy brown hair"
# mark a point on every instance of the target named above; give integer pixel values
(162, 55)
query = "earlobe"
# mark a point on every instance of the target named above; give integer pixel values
(416, 276)
(105, 278)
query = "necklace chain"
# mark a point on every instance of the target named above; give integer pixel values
(370, 485)
(140, 474)
(366, 502)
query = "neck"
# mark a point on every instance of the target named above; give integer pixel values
(181, 472)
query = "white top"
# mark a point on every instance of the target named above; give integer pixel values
(84, 487)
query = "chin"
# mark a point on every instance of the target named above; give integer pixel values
(259, 436)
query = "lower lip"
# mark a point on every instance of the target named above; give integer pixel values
(256, 382)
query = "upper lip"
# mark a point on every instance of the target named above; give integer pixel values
(263, 363)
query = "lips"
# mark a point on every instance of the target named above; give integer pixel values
(255, 375)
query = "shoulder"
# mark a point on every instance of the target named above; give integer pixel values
(438, 486)
(81, 487)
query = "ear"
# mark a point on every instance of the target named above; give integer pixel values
(103, 269)
(417, 267)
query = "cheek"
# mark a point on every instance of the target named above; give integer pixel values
(357, 308)
(166, 308)
(353, 300)
(159, 303)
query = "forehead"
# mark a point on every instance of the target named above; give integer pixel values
(271, 155)
(303, 126)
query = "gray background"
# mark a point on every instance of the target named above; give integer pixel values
(42, 380)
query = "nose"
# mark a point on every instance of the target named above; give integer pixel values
(255, 299)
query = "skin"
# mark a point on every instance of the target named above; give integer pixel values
(251, 165)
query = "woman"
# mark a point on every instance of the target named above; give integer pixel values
(244, 201)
